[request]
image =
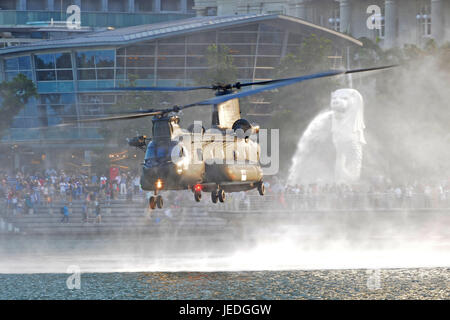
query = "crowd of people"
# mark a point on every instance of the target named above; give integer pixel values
(381, 194)
(378, 193)
(22, 193)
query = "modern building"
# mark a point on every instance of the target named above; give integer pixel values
(399, 22)
(71, 74)
(25, 21)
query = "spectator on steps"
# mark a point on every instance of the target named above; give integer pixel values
(29, 204)
(84, 211)
(123, 185)
(98, 213)
(137, 184)
(65, 213)
(129, 192)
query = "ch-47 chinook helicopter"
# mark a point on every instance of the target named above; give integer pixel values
(176, 159)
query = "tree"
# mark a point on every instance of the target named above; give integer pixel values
(311, 56)
(220, 66)
(116, 132)
(14, 95)
(221, 70)
(295, 106)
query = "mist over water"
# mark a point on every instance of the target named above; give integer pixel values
(313, 161)
(282, 241)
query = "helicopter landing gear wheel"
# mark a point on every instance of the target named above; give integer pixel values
(159, 202)
(221, 195)
(198, 196)
(152, 202)
(214, 196)
(261, 188)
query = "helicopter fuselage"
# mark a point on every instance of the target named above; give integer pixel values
(176, 160)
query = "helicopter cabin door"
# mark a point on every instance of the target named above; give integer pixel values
(226, 113)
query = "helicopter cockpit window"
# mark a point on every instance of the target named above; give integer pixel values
(161, 129)
(156, 153)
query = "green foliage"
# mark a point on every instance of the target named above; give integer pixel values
(221, 70)
(116, 132)
(294, 106)
(311, 56)
(14, 95)
(220, 66)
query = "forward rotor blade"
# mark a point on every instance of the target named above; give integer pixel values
(102, 119)
(111, 118)
(273, 84)
(123, 117)
(61, 125)
(158, 88)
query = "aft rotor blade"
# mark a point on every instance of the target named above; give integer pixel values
(246, 84)
(273, 84)
(371, 69)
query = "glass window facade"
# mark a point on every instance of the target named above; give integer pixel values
(50, 67)
(117, 6)
(65, 3)
(8, 4)
(136, 62)
(171, 5)
(95, 69)
(47, 110)
(182, 60)
(17, 65)
(57, 108)
(92, 105)
(144, 5)
(36, 4)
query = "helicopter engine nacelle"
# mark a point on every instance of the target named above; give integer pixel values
(138, 142)
(245, 126)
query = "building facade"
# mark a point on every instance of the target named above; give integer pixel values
(26, 21)
(72, 75)
(399, 22)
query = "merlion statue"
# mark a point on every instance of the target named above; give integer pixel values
(330, 149)
(347, 130)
